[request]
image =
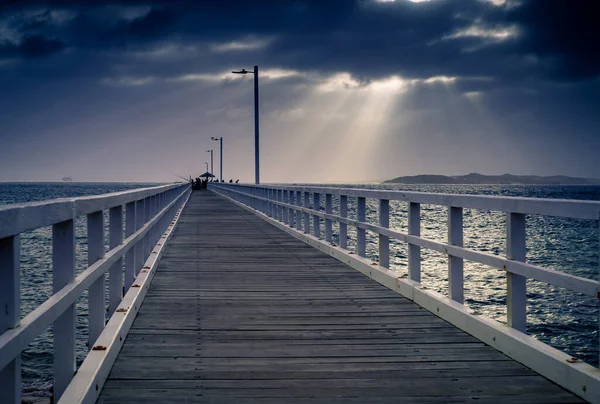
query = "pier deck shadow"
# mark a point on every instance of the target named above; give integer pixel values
(241, 312)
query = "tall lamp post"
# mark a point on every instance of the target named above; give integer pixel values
(211, 161)
(220, 140)
(256, 148)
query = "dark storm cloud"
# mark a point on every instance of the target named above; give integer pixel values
(553, 39)
(567, 33)
(31, 46)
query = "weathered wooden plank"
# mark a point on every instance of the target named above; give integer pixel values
(192, 396)
(240, 312)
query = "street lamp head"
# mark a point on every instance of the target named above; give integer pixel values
(213, 138)
(243, 71)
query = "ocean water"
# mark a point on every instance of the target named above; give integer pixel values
(563, 319)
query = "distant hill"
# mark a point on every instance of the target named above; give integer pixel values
(506, 179)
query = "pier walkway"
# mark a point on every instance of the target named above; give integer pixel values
(241, 312)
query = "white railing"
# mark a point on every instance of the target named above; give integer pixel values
(290, 208)
(148, 214)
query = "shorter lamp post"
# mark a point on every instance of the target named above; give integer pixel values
(220, 140)
(211, 161)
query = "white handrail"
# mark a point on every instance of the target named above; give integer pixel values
(576, 209)
(149, 212)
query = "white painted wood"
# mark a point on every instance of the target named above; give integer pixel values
(317, 218)
(306, 214)
(291, 210)
(10, 302)
(361, 235)
(384, 241)
(13, 341)
(63, 266)
(59, 308)
(18, 218)
(578, 377)
(280, 206)
(298, 211)
(145, 218)
(93, 372)
(139, 249)
(278, 209)
(130, 256)
(96, 313)
(516, 298)
(455, 264)
(115, 273)
(267, 196)
(284, 199)
(276, 206)
(343, 226)
(414, 251)
(539, 206)
(328, 222)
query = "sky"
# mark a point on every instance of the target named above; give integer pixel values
(350, 90)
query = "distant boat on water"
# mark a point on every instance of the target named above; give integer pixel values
(67, 179)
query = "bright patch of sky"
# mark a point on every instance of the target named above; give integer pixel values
(242, 45)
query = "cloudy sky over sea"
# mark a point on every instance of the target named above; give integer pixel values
(350, 90)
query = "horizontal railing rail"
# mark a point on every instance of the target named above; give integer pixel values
(299, 208)
(148, 214)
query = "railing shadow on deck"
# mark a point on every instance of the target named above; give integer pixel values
(150, 214)
(293, 208)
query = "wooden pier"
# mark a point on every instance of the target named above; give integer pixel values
(241, 312)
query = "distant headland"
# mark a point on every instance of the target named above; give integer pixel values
(504, 179)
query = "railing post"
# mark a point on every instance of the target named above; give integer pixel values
(298, 211)
(284, 199)
(274, 197)
(279, 207)
(361, 235)
(516, 299)
(455, 264)
(130, 256)
(316, 219)
(291, 211)
(139, 222)
(96, 315)
(146, 240)
(116, 270)
(63, 267)
(328, 222)
(306, 214)
(414, 251)
(343, 226)
(155, 233)
(10, 302)
(384, 241)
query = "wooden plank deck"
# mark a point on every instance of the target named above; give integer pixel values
(241, 312)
